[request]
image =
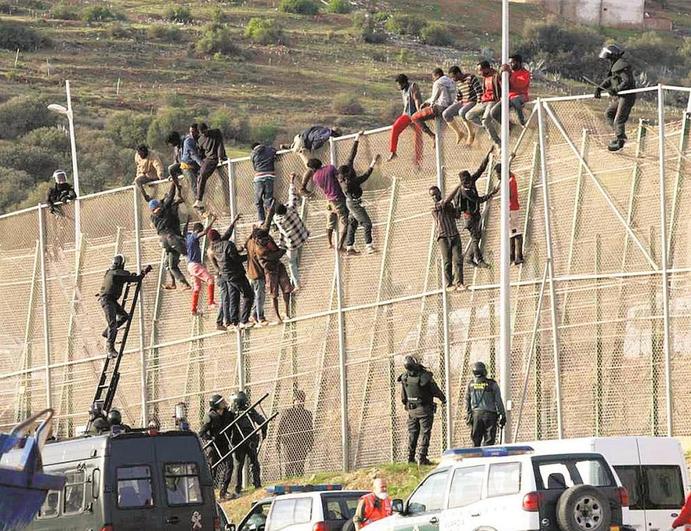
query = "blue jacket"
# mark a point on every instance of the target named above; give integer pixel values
(190, 153)
(264, 159)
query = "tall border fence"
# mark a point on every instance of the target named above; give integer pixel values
(600, 309)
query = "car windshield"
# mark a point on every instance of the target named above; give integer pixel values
(256, 519)
(565, 472)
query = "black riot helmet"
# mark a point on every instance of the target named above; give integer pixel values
(118, 261)
(216, 401)
(114, 417)
(611, 52)
(240, 401)
(479, 369)
(411, 363)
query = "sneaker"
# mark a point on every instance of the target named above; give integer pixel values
(262, 323)
(186, 287)
(518, 261)
(616, 144)
(169, 286)
(212, 306)
(244, 326)
(369, 249)
(423, 461)
(392, 156)
(461, 287)
(197, 313)
(352, 251)
(450, 287)
(112, 353)
(221, 327)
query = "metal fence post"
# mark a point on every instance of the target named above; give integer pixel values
(345, 446)
(142, 355)
(232, 192)
(44, 301)
(550, 268)
(439, 154)
(663, 256)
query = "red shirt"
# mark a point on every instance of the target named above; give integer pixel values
(684, 516)
(513, 193)
(519, 82)
(488, 85)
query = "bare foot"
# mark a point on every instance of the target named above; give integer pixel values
(470, 141)
(391, 157)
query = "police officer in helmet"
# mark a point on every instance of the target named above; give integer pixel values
(619, 78)
(97, 419)
(484, 407)
(114, 418)
(418, 390)
(250, 448)
(215, 420)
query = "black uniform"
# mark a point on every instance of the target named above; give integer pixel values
(418, 390)
(60, 193)
(167, 224)
(111, 290)
(212, 425)
(249, 449)
(620, 77)
(484, 408)
(296, 437)
(232, 273)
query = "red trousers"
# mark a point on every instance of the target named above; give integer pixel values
(401, 123)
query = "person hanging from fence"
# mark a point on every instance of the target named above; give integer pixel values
(164, 217)
(295, 436)
(373, 506)
(114, 280)
(248, 449)
(311, 139)
(215, 420)
(292, 229)
(263, 159)
(519, 83)
(190, 159)
(174, 140)
(240, 296)
(256, 276)
(468, 203)
(326, 179)
(484, 407)
(515, 229)
(443, 95)
(60, 192)
(448, 238)
(195, 263)
(469, 91)
(620, 77)
(223, 315)
(481, 114)
(149, 168)
(418, 391)
(412, 102)
(351, 183)
(210, 143)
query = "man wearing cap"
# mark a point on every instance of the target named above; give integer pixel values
(62, 192)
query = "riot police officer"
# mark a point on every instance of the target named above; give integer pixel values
(418, 391)
(215, 420)
(484, 407)
(114, 419)
(97, 420)
(250, 448)
(619, 78)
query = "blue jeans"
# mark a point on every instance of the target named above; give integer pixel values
(259, 287)
(263, 195)
(223, 317)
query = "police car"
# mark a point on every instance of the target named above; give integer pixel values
(301, 508)
(512, 489)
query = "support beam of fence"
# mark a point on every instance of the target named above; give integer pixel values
(44, 302)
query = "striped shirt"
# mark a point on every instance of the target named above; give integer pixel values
(470, 89)
(445, 219)
(290, 226)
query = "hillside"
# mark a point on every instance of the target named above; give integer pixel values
(142, 67)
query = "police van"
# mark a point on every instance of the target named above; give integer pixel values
(503, 488)
(652, 469)
(129, 481)
(301, 508)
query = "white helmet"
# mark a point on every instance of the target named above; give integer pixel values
(60, 176)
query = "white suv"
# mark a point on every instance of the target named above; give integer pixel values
(512, 489)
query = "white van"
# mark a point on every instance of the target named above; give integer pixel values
(652, 469)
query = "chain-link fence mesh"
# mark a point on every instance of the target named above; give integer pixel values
(588, 335)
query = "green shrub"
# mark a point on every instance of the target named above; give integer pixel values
(366, 29)
(128, 128)
(405, 25)
(37, 162)
(436, 35)
(15, 35)
(380, 17)
(106, 164)
(116, 30)
(217, 39)
(233, 125)
(347, 104)
(339, 6)
(179, 14)
(264, 31)
(64, 12)
(218, 16)
(14, 185)
(22, 114)
(299, 7)
(100, 14)
(168, 119)
(164, 32)
(49, 138)
(265, 132)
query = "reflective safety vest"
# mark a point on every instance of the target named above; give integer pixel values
(374, 508)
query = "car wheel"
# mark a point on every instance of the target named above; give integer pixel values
(583, 508)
